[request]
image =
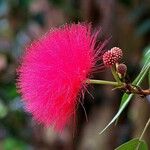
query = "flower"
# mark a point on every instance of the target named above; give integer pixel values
(112, 56)
(53, 72)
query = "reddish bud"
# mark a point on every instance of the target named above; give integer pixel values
(117, 53)
(121, 69)
(112, 56)
(108, 59)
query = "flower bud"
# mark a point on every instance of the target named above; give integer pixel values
(117, 53)
(112, 56)
(121, 70)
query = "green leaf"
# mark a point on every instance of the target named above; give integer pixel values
(14, 144)
(149, 78)
(134, 144)
(141, 76)
(126, 98)
(143, 146)
(146, 56)
(130, 145)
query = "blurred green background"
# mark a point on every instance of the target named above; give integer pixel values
(21, 21)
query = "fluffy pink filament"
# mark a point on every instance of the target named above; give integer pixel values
(53, 73)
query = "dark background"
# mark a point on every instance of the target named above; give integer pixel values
(21, 21)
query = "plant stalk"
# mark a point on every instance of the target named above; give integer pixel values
(104, 82)
(116, 77)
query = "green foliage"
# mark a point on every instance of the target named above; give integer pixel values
(146, 59)
(149, 78)
(3, 110)
(143, 146)
(14, 144)
(146, 56)
(8, 91)
(134, 144)
(126, 98)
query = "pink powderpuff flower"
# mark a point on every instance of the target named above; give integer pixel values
(54, 70)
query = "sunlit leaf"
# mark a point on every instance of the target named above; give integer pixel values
(143, 146)
(134, 144)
